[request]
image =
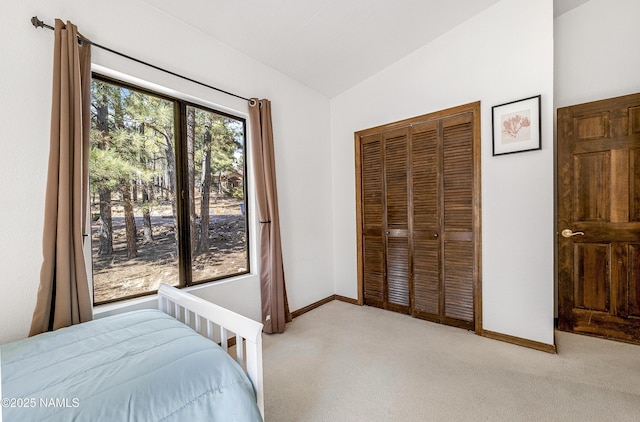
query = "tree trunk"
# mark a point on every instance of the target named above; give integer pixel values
(191, 167)
(171, 186)
(206, 194)
(146, 214)
(129, 221)
(154, 182)
(105, 224)
(134, 197)
(106, 227)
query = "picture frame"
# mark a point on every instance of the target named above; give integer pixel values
(516, 126)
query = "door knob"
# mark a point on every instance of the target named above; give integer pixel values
(435, 235)
(569, 233)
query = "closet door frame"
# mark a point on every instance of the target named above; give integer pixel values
(473, 108)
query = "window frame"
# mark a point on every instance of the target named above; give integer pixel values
(182, 194)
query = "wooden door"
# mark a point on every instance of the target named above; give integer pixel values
(373, 220)
(458, 246)
(426, 170)
(599, 218)
(385, 227)
(396, 157)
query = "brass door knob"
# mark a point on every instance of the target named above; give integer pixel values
(570, 233)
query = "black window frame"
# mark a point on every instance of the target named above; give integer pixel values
(182, 192)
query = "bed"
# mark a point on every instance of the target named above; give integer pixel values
(160, 364)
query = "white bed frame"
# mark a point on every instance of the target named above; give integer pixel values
(220, 325)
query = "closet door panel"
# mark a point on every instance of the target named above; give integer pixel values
(425, 170)
(457, 134)
(374, 270)
(458, 286)
(426, 277)
(372, 195)
(373, 210)
(397, 274)
(395, 172)
(457, 227)
(396, 158)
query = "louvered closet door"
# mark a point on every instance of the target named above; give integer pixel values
(457, 222)
(373, 209)
(397, 230)
(419, 208)
(425, 170)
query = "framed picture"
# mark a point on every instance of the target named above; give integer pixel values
(516, 126)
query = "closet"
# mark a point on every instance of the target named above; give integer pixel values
(418, 216)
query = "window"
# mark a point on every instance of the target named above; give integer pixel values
(167, 189)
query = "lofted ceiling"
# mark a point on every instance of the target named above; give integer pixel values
(328, 45)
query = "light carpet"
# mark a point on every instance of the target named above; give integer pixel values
(342, 362)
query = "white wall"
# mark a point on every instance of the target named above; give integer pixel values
(596, 52)
(505, 53)
(132, 27)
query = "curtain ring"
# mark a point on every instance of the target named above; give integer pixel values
(253, 102)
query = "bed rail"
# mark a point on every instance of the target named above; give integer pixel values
(222, 326)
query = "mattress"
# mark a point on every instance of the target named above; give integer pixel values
(138, 366)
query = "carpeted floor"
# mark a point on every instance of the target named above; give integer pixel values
(342, 362)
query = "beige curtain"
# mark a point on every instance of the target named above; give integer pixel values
(275, 309)
(63, 295)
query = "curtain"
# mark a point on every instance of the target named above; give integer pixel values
(275, 309)
(63, 296)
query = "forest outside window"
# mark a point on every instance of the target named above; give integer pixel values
(168, 192)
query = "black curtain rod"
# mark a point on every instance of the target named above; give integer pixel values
(37, 23)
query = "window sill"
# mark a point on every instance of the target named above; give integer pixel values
(150, 301)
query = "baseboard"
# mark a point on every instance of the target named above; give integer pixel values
(321, 302)
(549, 348)
(311, 307)
(346, 299)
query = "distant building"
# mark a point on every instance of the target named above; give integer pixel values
(229, 179)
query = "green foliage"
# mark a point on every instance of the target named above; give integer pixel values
(108, 169)
(131, 135)
(237, 192)
(133, 140)
(225, 140)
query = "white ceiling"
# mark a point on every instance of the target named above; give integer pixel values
(328, 45)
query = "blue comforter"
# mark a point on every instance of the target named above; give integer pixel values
(138, 366)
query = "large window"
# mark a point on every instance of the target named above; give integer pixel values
(168, 192)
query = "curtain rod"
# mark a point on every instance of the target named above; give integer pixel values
(37, 23)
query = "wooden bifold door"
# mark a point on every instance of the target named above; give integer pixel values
(599, 218)
(418, 187)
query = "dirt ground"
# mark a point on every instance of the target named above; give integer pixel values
(116, 276)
